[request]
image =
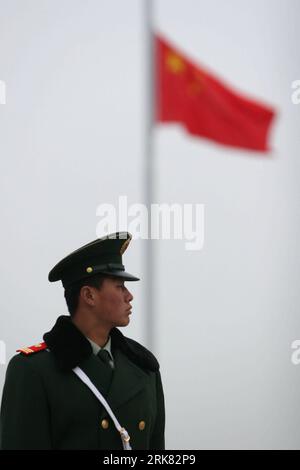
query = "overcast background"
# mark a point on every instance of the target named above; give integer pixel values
(72, 136)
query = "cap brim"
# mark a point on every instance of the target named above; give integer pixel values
(120, 274)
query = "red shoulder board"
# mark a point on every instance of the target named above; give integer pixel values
(33, 349)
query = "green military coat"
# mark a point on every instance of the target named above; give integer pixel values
(46, 406)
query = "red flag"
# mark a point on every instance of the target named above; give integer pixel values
(189, 95)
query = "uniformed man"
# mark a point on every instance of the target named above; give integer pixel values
(87, 386)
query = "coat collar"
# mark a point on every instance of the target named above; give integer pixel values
(70, 347)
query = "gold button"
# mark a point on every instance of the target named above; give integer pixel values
(89, 269)
(104, 424)
(142, 425)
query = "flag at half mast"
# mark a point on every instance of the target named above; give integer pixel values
(205, 106)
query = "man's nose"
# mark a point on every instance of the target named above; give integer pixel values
(129, 295)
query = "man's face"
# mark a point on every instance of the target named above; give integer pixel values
(112, 303)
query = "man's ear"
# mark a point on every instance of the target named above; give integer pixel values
(87, 294)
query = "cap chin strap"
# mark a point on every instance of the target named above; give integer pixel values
(92, 270)
(109, 266)
(124, 434)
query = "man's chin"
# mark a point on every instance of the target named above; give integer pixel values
(123, 323)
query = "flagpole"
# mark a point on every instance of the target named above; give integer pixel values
(150, 323)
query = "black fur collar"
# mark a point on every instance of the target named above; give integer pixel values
(70, 347)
